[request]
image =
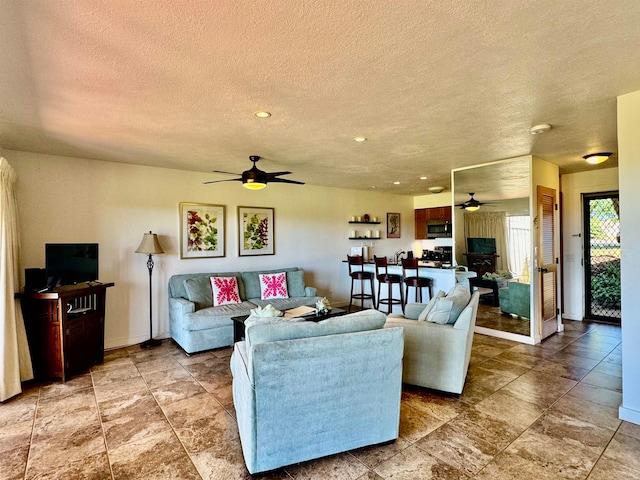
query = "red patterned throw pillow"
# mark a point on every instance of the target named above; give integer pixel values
(273, 286)
(225, 290)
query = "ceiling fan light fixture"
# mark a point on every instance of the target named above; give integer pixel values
(596, 158)
(472, 208)
(253, 184)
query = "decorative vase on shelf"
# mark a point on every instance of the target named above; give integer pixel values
(366, 217)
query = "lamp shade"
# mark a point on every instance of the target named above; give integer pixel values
(150, 244)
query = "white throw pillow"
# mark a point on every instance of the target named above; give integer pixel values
(432, 302)
(273, 286)
(447, 309)
(225, 290)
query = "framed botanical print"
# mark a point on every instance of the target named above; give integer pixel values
(256, 231)
(393, 225)
(202, 230)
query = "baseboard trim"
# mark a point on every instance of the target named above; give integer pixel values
(629, 415)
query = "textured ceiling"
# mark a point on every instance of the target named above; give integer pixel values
(433, 85)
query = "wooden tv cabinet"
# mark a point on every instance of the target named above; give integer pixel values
(65, 328)
(481, 263)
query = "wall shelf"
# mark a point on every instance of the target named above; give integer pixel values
(364, 238)
(368, 223)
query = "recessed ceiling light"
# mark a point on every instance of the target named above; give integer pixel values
(396, 183)
(596, 158)
(360, 139)
(262, 114)
(423, 178)
(537, 129)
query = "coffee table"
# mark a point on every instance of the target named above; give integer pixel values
(238, 322)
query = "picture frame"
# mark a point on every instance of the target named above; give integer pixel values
(256, 231)
(202, 230)
(393, 225)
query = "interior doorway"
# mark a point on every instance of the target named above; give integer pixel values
(602, 256)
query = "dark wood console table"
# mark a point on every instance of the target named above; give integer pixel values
(65, 328)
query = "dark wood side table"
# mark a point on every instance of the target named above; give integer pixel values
(492, 284)
(238, 322)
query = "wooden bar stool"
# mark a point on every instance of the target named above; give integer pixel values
(412, 278)
(383, 276)
(359, 274)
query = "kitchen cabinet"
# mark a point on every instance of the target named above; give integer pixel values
(425, 215)
(439, 213)
(420, 223)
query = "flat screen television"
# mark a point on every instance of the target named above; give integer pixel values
(71, 263)
(481, 245)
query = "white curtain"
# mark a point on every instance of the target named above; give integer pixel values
(15, 361)
(490, 225)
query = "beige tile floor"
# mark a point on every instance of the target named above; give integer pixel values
(543, 412)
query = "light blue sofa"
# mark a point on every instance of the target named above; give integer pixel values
(436, 356)
(304, 390)
(196, 325)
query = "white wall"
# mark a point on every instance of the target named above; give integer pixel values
(573, 186)
(75, 200)
(629, 173)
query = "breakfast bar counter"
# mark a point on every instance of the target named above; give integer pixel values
(444, 278)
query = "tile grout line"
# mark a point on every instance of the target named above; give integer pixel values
(104, 433)
(33, 428)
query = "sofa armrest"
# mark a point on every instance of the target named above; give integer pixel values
(310, 291)
(178, 307)
(426, 332)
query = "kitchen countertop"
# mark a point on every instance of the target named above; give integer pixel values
(444, 278)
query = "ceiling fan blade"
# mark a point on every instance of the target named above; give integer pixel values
(284, 180)
(226, 173)
(228, 180)
(276, 174)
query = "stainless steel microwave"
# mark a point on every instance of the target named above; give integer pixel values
(438, 229)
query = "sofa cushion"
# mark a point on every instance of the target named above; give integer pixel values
(216, 316)
(354, 322)
(197, 287)
(286, 303)
(295, 283)
(430, 305)
(199, 292)
(225, 290)
(273, 285)
(447, 309)
(251, 281)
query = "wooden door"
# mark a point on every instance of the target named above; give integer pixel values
(547, 261)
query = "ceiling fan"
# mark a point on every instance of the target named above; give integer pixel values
(472, 204)
(254, 178)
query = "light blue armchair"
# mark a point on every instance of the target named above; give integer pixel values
(304, 390)
(436, 356)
